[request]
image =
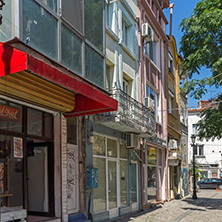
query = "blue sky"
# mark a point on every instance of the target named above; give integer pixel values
(183, 9)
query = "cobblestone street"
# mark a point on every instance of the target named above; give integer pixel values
(207, 208)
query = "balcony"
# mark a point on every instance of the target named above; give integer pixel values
(131, 116)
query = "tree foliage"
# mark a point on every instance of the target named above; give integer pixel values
(201, 46)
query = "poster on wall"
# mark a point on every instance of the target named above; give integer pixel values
(18, 147)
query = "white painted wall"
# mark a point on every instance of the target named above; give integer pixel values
(212, 149)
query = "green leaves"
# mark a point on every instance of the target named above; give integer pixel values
(201, 46)
(202, 35)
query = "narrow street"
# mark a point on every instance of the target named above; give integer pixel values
(207, 208)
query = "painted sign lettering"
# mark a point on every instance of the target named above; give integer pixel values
(9, 113)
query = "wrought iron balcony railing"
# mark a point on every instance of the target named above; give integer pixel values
(131, 114)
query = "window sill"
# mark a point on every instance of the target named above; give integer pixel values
(128, 50)
(151, 61)
(199, 156)
(111, 33)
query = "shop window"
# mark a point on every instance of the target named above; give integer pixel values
(71, 50)
(48, 125)
(123, 151)
(94, 27)
(94, 66)
(36, 23)
(151, 173)
(111, 148)
(123, 183)
(72, 12)
(11, 171)
(34, 122)
(99, 194)
(72, 130)
(10, 116)
(99, 145)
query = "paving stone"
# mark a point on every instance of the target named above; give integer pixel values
(207, 208)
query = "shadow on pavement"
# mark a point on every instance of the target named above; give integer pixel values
(208, 203)
(190, 208)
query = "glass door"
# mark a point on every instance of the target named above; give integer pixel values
(112, 188)
(133, 186)
(39, 174)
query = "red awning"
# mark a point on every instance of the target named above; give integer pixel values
(88, 100)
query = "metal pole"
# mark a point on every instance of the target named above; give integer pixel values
(194, 175)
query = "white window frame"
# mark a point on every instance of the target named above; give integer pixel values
(113, 212)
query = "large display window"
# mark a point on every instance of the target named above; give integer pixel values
(153, 170)
(110, 158)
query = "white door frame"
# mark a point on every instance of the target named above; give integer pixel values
(112, 212)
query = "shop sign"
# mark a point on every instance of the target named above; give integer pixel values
(9, 113)
(157, 141)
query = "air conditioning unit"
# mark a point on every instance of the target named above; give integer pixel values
(132, 141)
(149, 103)
(147, 32)
(173, 144)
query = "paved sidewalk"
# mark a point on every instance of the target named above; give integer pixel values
(207, 208)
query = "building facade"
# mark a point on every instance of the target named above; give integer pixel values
(173, 120)
(183, 107)
(52, 75)
(152, 77)
(207, 153)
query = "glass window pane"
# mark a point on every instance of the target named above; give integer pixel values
(133, 183)
(123, 182)
(40, 29)
(151, 185)
(151, 156)
(112, 186)
(6, 26)
(71, 50)
(99, 145)
(94, 66)
(160, 157)
(51, 4)
(34, 122)
(94, 22)
(72, 11)
(10, 116)
(111, 148)
(11, 171)
(99, 194)
(72, 130)
(48, 118)
(123, 151)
